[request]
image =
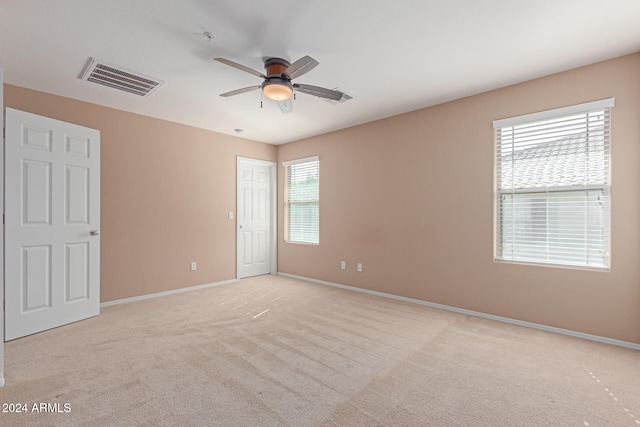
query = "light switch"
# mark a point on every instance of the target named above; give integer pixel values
(230, 214)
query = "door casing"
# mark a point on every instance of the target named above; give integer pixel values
(2, 229)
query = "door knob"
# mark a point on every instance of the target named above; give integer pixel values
(95, 232)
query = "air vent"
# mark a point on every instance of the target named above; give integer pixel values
(345, 97)
(117, 77)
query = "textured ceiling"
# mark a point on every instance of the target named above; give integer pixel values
(392, 57)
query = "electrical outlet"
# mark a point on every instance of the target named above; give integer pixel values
(359, 267)
(343, 265)
(194, 266)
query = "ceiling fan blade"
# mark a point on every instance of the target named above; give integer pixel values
(239, 91)
(300, 67)
(241, 67)
(286, 106)
(318, 91)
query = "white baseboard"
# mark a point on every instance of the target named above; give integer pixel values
(161, 294)
(474, 313)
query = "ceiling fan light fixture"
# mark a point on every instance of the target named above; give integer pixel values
(278, 90)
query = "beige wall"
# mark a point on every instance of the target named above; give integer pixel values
(411, 197)
(166, 190)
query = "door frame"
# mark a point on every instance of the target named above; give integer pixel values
(2, 229)
(273, 213)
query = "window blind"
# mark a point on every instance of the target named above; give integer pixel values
(552, 186)
(302, 200)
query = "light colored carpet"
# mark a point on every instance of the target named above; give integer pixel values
(275, 351)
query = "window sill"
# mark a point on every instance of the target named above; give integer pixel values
(546, 264)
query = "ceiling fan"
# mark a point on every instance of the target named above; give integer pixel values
(277, 84)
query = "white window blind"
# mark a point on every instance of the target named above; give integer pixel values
(552, 186)
(302, 200)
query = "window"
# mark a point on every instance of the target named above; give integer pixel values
(302, 200)
(552, 186)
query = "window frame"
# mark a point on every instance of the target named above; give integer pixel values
(549, 192)
(303, 201)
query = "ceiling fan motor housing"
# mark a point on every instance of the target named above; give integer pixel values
(277, 85)
(275, 66)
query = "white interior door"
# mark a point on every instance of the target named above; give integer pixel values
(52, 222)
(255, 234)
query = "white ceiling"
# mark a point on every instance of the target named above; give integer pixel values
(391, 56)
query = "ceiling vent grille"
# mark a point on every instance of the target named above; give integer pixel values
(345, 97)
(117, 77)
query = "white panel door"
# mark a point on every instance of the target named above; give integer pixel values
(52, 222)
(254, 238)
